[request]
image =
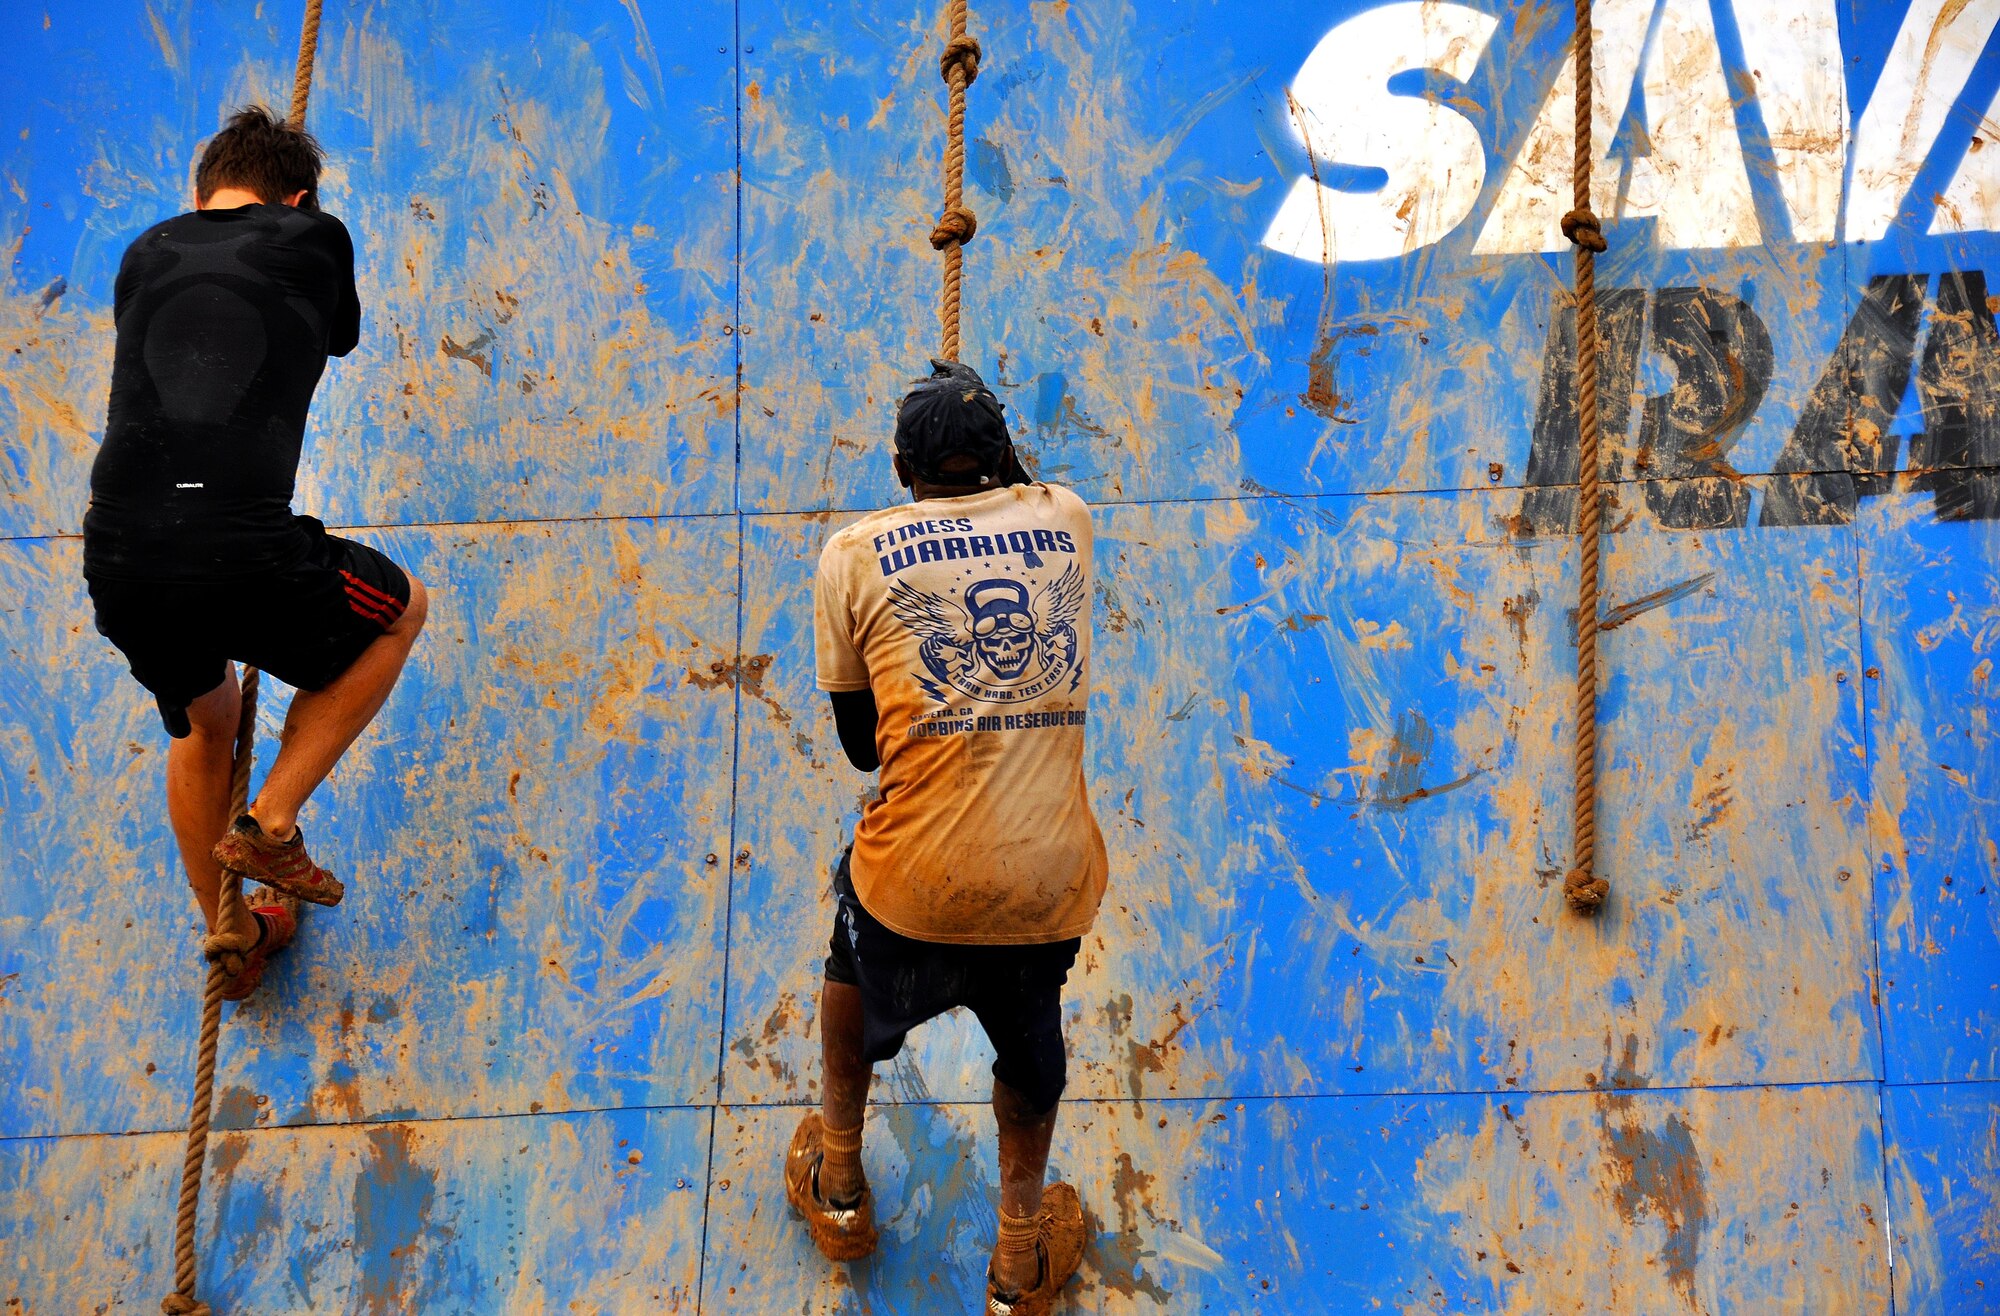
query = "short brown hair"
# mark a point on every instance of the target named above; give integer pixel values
(263, 155)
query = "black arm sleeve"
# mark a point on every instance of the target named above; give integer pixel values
(128, 283)
(345, 331)
(854, 713)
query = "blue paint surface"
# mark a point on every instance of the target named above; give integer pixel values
(1933, 602)
(592, 1212)
(1336, 1204)
(642, 283)
(1943, 1145)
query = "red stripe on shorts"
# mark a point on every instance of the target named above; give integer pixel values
(370, 609)
(368, 590)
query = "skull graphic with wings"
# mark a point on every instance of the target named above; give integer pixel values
(1002, 644)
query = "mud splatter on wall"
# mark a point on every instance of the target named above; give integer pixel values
(641, 284)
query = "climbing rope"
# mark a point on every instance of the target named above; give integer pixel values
(959, 66)
(1584, 889)
(302, 73)
(235, 933)
(235, 926)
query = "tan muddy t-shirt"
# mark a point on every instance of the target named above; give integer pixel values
(970, 620)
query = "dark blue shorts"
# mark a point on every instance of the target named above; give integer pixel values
(1014, 991)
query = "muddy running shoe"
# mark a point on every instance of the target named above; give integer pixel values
(284, 866)
(275, 929)
(1059, 1249)
(842, 1233)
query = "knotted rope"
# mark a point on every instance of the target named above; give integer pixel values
(1584, 889)
(958, 65)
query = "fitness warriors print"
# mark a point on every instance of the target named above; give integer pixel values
(1004, 642)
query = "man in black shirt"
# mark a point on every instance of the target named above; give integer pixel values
(226, 316)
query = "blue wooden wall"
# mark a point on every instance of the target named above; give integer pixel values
(642, 282)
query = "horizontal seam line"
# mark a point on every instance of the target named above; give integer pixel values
(1412, 1094)
(1259, 494)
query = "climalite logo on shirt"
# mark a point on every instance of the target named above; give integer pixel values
(1003, 641)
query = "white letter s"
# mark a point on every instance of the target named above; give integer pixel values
(1342, 111)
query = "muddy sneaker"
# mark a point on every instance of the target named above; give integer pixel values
(1059, 1249)
(284, 866)
(842, 1233)
(275, 929)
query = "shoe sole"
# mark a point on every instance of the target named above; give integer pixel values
(238, 856)
(317, 894)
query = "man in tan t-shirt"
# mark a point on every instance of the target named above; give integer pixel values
(953, 636)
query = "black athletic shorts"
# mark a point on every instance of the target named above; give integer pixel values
(1014, 991)
(304, 626)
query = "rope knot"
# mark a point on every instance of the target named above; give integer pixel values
(962, 53)
(176, 1305)
(1582, 228)
(954, 228)
(1584, 892)
(231, 940)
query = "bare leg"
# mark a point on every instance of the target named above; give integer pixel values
(1024, 1162)
(198, 772)
(323, 723)
(845, 1077)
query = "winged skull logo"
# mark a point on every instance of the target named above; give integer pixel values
(1002, 644)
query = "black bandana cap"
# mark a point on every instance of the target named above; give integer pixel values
(950, 413)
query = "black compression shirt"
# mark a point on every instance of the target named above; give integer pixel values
(225, 320)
